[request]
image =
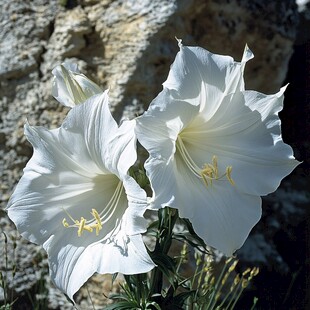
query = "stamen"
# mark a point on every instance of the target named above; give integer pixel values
(209, 172)
(65, 223)
(81, 226)
(98, 225)
(98, 218)
(228, 175)
(187, 158)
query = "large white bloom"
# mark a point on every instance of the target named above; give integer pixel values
(70, 87)
(214, 147)
(77, 200)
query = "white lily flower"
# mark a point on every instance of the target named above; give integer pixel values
(77, 200)
(214, 147)
(70, 87)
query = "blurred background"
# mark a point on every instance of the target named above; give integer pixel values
(129, 46)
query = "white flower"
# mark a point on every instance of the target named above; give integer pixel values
(70, 87)
(214, 147)
(77, 200)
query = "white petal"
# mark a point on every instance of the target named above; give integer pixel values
(245, 139)
(70, 87)
(158, 128)
(220, 214)
(226, 217)
(133, 220)
(163, 183)
(88, 129)
(72, 263)
(122, 154)
(195, 67)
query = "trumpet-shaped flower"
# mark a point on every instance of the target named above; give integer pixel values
(77, 200)
(70, 87)
(214, 147)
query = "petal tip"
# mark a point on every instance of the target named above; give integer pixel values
(247, 54)
(179, 42)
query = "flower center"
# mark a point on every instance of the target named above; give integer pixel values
(209, 172)
(99, 219)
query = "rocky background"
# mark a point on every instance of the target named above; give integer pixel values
(128, 46)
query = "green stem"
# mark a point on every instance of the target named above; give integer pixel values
(212, 301)
(167, 219)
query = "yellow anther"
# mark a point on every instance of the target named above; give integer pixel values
(246, 271)
(244, 283)
(235, 283)
(228, 175)
(233, 266)
(229, 259)
(97, 218)
(225, 278)
(237, 279)
(210, 172)
(254, 272)
(214, 163)
(98, 224)
(88, 228)
(65, 223)
(98, 229)
(81, 224)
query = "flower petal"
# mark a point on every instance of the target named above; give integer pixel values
(158, 128)
(88, 130)
(71, 263)
(70, 87)
(245, 138)
(195, 66)
(122, 154)
(220, 214)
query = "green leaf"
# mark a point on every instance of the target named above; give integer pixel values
(153, 304)
(197, 241)
(182, 297)
(165, 264)
(122, 305)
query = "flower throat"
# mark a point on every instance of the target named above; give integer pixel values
(99, 219)
(209, 172)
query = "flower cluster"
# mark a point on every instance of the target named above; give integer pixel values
(214, 149)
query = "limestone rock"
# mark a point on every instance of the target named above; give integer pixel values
(67, 39)
(24, 28)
